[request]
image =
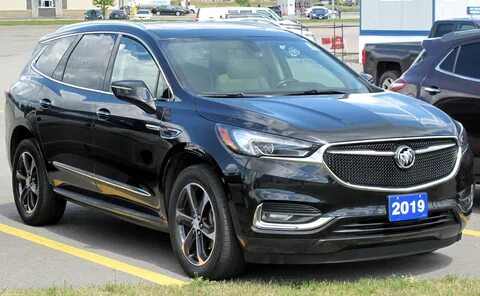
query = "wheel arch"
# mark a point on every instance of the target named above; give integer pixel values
(180, 157)
(19, 134)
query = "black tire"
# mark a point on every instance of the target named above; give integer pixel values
(388, 77)
(48, 207)
(226, 258)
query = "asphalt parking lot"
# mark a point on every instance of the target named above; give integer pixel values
(88, 248)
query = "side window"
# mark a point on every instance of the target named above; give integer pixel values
(88, 62)
(53, 53)
(134, 62)
(468, 61)
(467, 27)
(449, 62)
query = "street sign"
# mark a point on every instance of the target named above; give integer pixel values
(473, 10)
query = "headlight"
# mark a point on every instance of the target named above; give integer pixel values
(462, 136)
(258, 144)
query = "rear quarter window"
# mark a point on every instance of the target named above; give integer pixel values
(53, 53)
(449, 62)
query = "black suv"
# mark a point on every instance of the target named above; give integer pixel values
(246, 144)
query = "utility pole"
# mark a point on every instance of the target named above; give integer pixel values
(333, 6)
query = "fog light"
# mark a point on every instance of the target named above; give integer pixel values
(465, 199)
(288, 216)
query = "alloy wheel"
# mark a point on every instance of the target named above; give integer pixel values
(387, 82)
(27, 182)
(195, 224)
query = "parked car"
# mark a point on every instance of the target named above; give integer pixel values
(318, 13)
(446, 74)
(328, 14)
(143, 14)
(277, 10)
(214, 13)
(387, 61)
(261, 20)
(192, 9)
(168, 10)
(118, 14)
(251, 145)
(93, 14)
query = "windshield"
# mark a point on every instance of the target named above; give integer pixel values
(143, 12)
(257, 65)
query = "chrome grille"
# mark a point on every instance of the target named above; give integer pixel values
(370, 226)
(373, 164)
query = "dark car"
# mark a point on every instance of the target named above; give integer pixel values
(168, 10)
(387, 61)
(118, 14)
(93, 14)
(276, 9)
(319, 13)
(246, 144)
(446, 74)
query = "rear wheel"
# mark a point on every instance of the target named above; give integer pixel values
(388, 78)
(201, 229)
(177, 13)
(34, 198)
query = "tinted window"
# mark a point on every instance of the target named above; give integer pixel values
(445, 28)
(468, 61)
(467, 27)
(449, 62)
(88, 62)
(51, 56)
(134, 62)
(257, 65)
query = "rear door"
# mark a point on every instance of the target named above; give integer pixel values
(65, 110)
(453, 86)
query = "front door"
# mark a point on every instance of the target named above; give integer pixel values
(128, 147)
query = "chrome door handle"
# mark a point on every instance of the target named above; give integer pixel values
(45, 103)
(432, 90)
(103, 113)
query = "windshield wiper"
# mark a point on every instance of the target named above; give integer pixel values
(316, 92)
(232, 95)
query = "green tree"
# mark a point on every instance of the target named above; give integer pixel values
(242, 2)
(103, 5)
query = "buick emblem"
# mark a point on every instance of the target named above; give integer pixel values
(404, 157)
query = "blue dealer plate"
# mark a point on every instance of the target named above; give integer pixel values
(407, 207)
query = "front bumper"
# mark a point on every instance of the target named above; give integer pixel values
(253, 181)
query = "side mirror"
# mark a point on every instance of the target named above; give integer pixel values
(367, 77)
(136, 93)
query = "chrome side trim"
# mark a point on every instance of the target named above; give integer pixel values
(102, 179)
(153, 127)
(317, 158)
(258, 223)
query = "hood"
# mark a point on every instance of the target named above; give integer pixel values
(331, 118)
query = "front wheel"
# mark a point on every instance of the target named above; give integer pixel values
(200, 225)
(34, 198)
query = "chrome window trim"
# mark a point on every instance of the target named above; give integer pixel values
(259, 224)
(102, 179)
(317, 158)
(119, 34)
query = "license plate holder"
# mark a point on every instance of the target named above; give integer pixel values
(407, 207)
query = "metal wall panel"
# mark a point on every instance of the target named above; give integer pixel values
(398, 15)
